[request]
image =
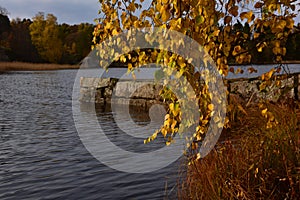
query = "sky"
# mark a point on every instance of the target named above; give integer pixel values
(66, 11)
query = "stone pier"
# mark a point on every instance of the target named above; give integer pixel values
(145, 93)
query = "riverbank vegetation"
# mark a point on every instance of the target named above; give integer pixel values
(251, 161)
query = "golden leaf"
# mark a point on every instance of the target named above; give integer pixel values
(269, 74)
(129, 66)
(281, 25)
(264, 112)
(165, 14)
(236, 50)
(171, 106)
(256, 35)
(247, 15)
(115, 32)
(260, 46)
(210, 107)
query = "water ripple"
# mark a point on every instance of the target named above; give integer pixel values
(41, 155)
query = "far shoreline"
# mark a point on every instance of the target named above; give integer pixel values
(24, 66)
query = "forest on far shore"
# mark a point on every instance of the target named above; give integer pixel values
(43, 40)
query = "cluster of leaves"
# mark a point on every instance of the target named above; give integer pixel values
(211, 24)
(44, 40)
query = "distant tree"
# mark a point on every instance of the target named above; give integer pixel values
(4, 24)
(293, 45)
(45, 36)
(22, 48)
(77, 41)
(3, 11)
(5, 29)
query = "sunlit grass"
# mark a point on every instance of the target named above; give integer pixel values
(12, 66)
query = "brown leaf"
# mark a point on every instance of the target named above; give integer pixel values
(258, 5)
(234, 10)
(227, 19)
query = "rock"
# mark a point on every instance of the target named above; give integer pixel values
(94, 82)
(145, 94)
(132, 89)
(250, 89)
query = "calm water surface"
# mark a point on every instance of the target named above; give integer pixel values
(42, 157)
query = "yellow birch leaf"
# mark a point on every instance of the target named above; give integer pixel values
(129, 66)
(210, 107)
(268, 75)
(247, 15)
(281, 25)
(264, 111)
(115, 32)
(165, 14)
(171, 106)
(256, 35)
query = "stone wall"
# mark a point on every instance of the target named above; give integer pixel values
(249, 90)
(146, 93)
(109, 90)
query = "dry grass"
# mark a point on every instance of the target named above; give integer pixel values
(291, 62)
(21, 66)
(255, 163)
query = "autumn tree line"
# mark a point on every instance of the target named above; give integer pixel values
(43, 40)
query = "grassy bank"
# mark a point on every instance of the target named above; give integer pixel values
(254, 163)
(21, 66)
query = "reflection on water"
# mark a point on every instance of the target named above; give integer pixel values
(119, 132)
(42, 157)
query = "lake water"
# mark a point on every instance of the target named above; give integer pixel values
(147, 72)
(42, 156)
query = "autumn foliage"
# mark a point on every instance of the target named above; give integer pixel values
(231, 32)
(213, 24)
